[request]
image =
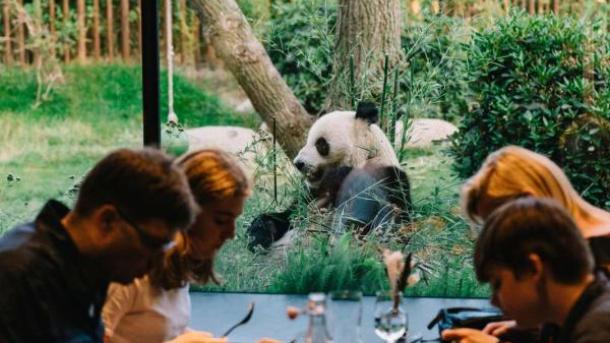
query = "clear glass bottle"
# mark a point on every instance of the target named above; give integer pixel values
(317, 332)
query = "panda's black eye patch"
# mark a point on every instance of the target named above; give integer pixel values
(322, 146)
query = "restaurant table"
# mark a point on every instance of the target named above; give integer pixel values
(216, 312)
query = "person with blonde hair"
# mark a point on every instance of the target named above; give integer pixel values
(514, 172)
(156, 307)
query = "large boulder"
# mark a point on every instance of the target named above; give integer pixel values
(425, 132)
(243, 142)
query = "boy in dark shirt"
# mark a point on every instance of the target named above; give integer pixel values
(541, 272)
(54, 272)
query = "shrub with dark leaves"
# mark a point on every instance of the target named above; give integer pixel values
(541, 83)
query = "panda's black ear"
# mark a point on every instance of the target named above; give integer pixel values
(367, 111)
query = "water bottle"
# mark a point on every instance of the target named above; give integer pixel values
(317, 332)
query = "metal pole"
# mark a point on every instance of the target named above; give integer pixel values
(150, 73)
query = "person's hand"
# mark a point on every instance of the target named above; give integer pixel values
(499, 328)
(198, 337)
(268, 340)
(468, 336)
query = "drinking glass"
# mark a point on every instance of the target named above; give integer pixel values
(345, 316)
(391, 322)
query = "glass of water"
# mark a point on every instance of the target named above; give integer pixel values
(391, 322)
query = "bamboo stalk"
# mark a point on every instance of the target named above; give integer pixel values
(382, 121)
(8, 50)
(352, 84)
(392, 129)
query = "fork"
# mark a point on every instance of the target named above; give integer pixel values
(241, 322)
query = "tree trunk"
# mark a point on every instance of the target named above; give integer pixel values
(66, 18)
(125, 29)
(246, 58)
(21, 34)
(82, 31)
(555, 6)
(367, 30)
(96, 30)
(109, 30)
(8, 50)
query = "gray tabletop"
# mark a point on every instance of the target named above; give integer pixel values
(216, 312)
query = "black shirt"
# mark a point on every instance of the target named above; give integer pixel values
(589, 319)
(44, 294)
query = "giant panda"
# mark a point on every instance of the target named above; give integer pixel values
(350, 166)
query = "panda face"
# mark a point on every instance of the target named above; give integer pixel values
(332, 142)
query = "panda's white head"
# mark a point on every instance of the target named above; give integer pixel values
(344, 138)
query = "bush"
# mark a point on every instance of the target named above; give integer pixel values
(300, 42)
(531, 79)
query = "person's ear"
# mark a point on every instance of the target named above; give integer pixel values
(536, 266)
(105, 218)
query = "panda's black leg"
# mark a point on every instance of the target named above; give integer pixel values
(268, 228)
(399, 190)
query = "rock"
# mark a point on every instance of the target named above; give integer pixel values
(244, 143)
(245, 107)
(425, 132)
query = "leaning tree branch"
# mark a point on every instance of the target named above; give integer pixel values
(235, 43)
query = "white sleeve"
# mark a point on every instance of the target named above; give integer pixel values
(119, 301)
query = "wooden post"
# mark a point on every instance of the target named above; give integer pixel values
(21, 34)
(8, 50)
(66, 17)
(506, 6)
(185, 40)
(555, 6)
(109, 30)
(532, 7)
(82, 31)
(125, 29)
(52, 28)
(97, 50)
(196, 38)
(139, 27)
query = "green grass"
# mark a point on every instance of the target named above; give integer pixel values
(46, 151)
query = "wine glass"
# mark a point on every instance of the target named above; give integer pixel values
(391, 322)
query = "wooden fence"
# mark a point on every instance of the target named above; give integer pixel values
(109, 30)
